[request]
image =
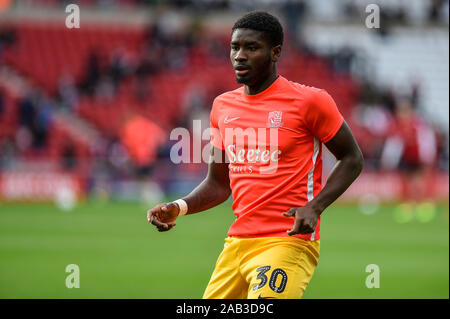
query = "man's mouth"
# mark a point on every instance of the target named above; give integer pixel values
(241, 70)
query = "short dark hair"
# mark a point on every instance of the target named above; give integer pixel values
(264, 22)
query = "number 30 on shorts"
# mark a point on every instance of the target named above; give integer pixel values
(273, 279)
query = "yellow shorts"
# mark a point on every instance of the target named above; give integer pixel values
(263, 268)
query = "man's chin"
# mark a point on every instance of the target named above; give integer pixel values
(242, 80)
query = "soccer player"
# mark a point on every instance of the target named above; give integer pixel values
(267, 146)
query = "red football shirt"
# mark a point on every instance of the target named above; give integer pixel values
(273, 142)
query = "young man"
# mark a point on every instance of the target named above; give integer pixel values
(271, 131)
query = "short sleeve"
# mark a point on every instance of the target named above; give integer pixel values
(216, 137)
(322, 116)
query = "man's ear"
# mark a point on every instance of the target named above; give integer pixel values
(276, 53)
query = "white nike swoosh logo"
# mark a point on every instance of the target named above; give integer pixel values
(227, 120)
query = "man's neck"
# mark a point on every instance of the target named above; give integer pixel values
(258, 88)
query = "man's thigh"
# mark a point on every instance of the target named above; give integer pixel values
(226, 281)
(279, 267)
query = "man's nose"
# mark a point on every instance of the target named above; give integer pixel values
(240, 56)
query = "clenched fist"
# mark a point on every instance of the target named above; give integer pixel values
(163, 216)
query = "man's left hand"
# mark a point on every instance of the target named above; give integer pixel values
(305, 220)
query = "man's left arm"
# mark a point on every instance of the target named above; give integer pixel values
(348, 167)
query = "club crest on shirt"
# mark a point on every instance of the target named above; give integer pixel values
(274, 119)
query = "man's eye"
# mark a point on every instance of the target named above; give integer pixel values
(234, 48)
(252, 48)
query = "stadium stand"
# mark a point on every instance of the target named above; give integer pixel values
(91, 80)
(46, 52)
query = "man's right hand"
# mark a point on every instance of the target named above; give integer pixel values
(163, 216)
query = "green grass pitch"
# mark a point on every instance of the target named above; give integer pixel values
(121, 256)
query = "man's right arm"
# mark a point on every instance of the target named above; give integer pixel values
(214, 190)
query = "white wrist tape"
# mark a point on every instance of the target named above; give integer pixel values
(183, 207)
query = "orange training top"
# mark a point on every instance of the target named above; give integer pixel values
(273, 142)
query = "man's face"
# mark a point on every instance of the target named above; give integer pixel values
(251, 55)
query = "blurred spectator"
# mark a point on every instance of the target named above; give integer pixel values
(7, 37)
(194, 106)
(104, 90)
(350, 9)
(142, 138)
(443, 151)
(27, 111)
(386, 21)
(393, 135)
(412, 148)
(438, 10)
(69, 158)
(411, 144)
(9, 153)
(119, 67)
(374, 122)
(342, 60)
(388, 99)
(42, 122)
(23, 139)
(118, 159)
(91, 74)
(419, 140)
(147, 67)
(294, 12)
(5, 5)
(68, 93)
(35, 113)
(170, 37)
